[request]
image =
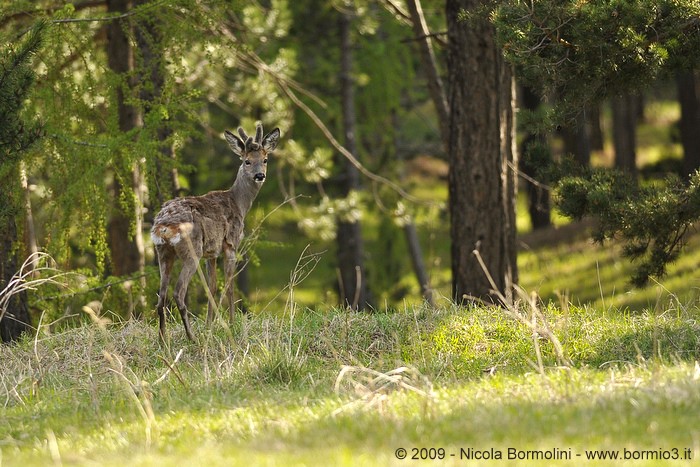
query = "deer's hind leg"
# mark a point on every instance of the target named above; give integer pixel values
(166, 259)
(189, 267)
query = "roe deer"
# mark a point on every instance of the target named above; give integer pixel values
(196, 227)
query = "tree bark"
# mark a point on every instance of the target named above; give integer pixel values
(127, 250)
(689, 97)
(482, 184)
(624, 117)
(15, 319)
(353, 275)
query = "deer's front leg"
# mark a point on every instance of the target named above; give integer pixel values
(211, 285)
(229, 287)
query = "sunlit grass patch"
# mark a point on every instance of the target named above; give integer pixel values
(640, 406)
(597, 275)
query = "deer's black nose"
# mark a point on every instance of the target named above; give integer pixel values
(259, 177)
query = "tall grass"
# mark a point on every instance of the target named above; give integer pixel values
(445, 344)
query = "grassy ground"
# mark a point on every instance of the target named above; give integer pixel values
(350, 388)
(579, 271)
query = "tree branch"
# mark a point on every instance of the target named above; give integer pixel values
(435, 35)
(78, 7)
(398, 11)
(334, 142)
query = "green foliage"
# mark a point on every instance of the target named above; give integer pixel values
(17, 131)
(16, 79)
(588, 50)
(85, 151)
(221, 63)
(651, 219)
(383, 68)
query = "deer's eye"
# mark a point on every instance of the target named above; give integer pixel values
(247, 162)
(264, 161)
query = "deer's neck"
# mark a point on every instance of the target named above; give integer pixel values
(243, 192)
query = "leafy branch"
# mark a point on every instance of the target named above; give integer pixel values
(651, 220)
(585, 51)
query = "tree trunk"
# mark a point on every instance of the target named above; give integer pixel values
(624, 120)
(576, 140)
(417, 262)
(353, 276)
(127, 250)
(538, 197)
(14, 320)
(16, 136)
(30, 241)
(597, 141)
(411, 233)
(481, 180)
(689, 97)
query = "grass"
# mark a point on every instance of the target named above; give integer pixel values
(598, 276)
(347, 388)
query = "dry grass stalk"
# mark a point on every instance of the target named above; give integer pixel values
(371, 387)
(29, 277)
(512, 309)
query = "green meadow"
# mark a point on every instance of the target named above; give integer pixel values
(347, 388)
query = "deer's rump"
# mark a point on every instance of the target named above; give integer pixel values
(204, 223)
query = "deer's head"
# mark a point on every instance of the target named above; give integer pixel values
(253, 151)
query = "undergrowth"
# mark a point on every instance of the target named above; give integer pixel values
(446, 344)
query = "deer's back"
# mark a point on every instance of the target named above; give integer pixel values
(210, 221)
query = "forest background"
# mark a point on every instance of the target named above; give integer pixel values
(392, 140)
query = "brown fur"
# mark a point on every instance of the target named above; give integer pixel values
(206, 226)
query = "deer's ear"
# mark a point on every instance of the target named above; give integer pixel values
(235, 143)
(270, 141)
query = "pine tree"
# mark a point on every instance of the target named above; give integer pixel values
(584, 52)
